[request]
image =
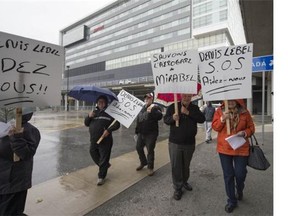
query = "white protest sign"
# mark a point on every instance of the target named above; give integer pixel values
(126, 109)
(30, 72)
(226, 72)
(175, 72)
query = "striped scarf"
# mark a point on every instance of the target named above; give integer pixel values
(234, 118)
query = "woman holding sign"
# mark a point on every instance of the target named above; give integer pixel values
(233, 159)
(99, 123)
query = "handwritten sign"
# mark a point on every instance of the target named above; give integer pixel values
(30, 72)
(126, 109)
(226, 73)
(175, 72)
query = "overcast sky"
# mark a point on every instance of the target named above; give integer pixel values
(43, 19)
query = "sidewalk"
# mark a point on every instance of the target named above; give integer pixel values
(128, 192)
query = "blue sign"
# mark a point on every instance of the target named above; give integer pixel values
(262, 63)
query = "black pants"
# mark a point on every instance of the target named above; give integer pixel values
(101, 155)
(148, 140)
(180, 158)
(13, 204)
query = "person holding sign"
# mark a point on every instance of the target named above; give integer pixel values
(99, 123)
(147, 132)
(16, 176)
(182, 141)
(233, 161)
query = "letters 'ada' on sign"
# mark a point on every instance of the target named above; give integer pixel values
(262, 63)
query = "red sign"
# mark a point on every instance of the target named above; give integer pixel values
(98, 29)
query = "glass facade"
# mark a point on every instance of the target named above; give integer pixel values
(126, 33)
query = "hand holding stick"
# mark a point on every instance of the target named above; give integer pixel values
(105, 132)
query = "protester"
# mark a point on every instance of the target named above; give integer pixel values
(98, 122)
(233, 162)
(147, 132)
(16, 175)
(208, 111)
(182, 141)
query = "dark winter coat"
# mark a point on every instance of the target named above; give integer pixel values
(17, 176)
(147, 123)
(187, 130)
(98, 124)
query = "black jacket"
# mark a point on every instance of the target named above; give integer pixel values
(16, 176)
(147, 123)
(187, 130)
(98, 124)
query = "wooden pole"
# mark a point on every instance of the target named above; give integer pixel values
(18, 127)
(227, 120)
(102, 137)
(176, 108)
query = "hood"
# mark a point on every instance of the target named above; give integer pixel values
(240, 102)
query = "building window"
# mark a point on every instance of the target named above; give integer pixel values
(202, 21)
(223, 15)
(202, 9)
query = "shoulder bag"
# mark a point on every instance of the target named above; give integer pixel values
(257, 159)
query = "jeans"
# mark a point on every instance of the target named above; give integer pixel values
(234, 169)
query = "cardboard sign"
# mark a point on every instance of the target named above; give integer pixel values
(30, 72)
(126, 109)
(175, 72)
(226, 73)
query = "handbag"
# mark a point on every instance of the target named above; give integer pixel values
(257, 159)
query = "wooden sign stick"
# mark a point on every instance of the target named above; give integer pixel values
(102, 137)
(18, 128)
(176, 108)
(227, 120)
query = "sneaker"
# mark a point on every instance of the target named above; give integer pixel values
(229, 208)
(177, 194)
(101, 181)
(150, 172)
(207, 141)
(187, 186)
(140, 167)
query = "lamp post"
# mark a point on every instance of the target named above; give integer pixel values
(68, 67)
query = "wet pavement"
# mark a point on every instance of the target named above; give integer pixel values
(64, 175)
(65, 142)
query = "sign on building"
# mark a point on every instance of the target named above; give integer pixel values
(30, 72)
(262, 63)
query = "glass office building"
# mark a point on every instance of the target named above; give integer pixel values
(112, 47)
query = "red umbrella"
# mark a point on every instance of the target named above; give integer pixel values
(167, 98)
(172, 97)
